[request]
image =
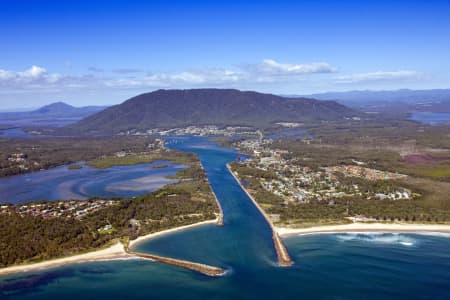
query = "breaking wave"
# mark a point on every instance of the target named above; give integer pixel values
(379, 238)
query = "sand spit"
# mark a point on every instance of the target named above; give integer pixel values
(119, 251)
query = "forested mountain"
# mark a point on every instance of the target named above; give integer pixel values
(178, 108)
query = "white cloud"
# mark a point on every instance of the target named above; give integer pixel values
(33, 72)
(267, 71)
(5, 75)
(267, 74)
(271, 67)
(379, 76)
(205, 76)
(257, 75)
(196, 76)
(39, 78)
(33, 75)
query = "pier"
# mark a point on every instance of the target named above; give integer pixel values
(201, 268)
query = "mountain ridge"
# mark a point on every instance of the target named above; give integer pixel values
(389, 101)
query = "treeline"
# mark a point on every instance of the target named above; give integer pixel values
(347, 184)
(380, 210)
(244, 170)
(316, 156)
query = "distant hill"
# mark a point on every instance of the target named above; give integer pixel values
(178, 108)
(61, 108)
(55, 108)
(405, 100)
(55, 114)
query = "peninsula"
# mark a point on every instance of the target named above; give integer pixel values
(120, 251)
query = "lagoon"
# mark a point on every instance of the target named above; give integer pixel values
(431, 118)
(62, 183)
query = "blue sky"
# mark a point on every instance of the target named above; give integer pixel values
(102, 52)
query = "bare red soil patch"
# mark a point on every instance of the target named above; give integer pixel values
(415, 159)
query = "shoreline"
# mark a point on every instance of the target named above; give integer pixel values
(114, 252)
(282, 254)
(364, 227)
(219, 220)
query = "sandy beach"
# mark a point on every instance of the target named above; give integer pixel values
(116, 251)
(365, 227)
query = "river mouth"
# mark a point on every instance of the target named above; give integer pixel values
(245, 231)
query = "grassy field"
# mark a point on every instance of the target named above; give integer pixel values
(74, 167)
(441, 172)
(110, 161)
(176, 157)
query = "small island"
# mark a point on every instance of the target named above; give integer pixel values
(74, 167)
